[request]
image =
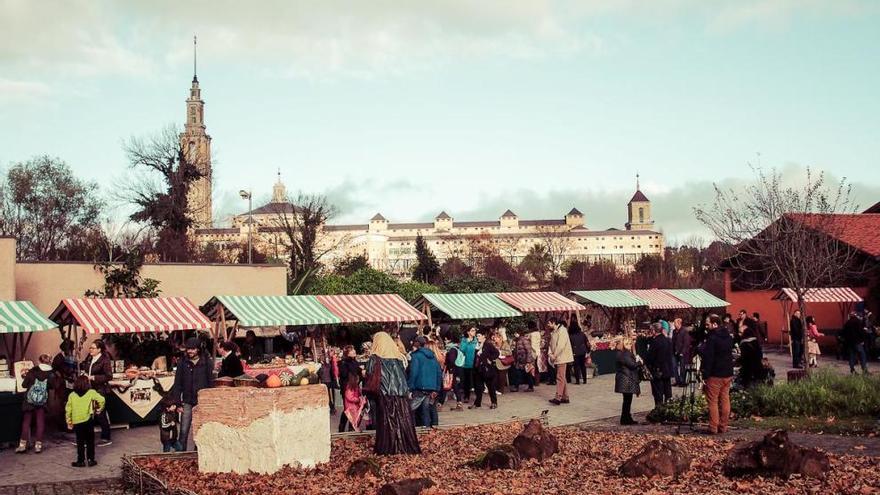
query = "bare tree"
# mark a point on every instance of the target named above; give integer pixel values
(557, 243)
(786, 236)
(302, 226)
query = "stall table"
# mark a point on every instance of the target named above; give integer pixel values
(10, 411)
(137, 401)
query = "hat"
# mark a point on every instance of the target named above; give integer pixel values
(421, 340)
(192, 343)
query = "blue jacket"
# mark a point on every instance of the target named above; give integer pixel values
(424, 371)
(470, 350)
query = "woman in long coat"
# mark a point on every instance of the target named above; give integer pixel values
(395, 432)
(626, 378)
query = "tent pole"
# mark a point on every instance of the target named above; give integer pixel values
(27, 344)
(13, 354)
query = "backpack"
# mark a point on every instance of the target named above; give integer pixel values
(459, 358)
(38, 394)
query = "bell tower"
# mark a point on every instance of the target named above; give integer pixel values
(639, 211)
(196, 145)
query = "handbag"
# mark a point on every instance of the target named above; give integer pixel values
(374, 380)
(447, 381)
(507, 360)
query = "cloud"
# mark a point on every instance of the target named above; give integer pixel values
(778, 14)
(16, 91)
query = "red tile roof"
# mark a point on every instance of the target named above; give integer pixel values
(639, 196)
(859, 230)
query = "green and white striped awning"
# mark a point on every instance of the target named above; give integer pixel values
(471, 306)
(265, 311)
(617, 298)
(697, 298)
(22, 317)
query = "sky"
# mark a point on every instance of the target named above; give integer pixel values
(409, 108)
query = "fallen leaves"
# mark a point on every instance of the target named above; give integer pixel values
(587, 463)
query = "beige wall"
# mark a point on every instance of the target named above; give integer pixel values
(7, 269)
(46, 284)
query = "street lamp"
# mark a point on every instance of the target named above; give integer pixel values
(247, 195)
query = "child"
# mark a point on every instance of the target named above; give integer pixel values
(169, 426)
(813, 334)
(353, 403)
(82, 406)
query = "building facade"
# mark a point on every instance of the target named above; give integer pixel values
(196, 145)
(390, 246)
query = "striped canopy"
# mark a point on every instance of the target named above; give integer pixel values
(131, 315)
(471, 306)
(265, 311)
(697, 298)
(539, 302)
(610, 298)
(370, 308)
(22, 317)
(821, 295)
(658, 299)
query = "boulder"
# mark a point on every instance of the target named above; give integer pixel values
(534, 442)
(657, 458)
(261, 430)
(499, 457)
(361, 467)
(775, 455)
(411, 486)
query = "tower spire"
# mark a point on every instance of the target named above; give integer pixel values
(195, 77)
(637, 182)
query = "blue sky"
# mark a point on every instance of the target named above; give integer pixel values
(410, 108)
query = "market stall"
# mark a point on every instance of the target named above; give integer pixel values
(615, 306)
(136, 392)
(844, 297)
(478, 306)
(18, 321)
(371, 308)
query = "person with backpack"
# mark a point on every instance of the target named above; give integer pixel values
(454, 361)
(37, 381)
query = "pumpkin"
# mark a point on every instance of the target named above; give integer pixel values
(273, 381)
(304, 381)
(286, 378)
(313, 379)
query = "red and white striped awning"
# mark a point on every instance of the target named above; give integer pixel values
(371, 308)
(657, 299)
(539, 302)
(131, 315)
(823, 295)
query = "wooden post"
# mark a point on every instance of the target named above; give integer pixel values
(426, 307)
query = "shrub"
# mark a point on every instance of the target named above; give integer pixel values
(824, 393)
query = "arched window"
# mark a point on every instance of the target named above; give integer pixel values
(641, 215)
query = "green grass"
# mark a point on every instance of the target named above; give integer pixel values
(860, 425)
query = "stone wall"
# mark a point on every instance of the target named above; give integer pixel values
(261, 430)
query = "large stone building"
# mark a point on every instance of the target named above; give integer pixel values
(196, 145)
(390, 246)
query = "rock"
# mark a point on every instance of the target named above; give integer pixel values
(499, 457)
(534, 442)
(261, 430)
(657, 458)
(411, 486)
(775, 455)
(360, 467)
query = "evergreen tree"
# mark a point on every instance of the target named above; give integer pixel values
(427, 268)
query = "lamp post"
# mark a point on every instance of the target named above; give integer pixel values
(247, 195)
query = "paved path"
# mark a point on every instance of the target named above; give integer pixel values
(593, 401)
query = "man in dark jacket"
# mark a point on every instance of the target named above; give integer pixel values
(681, 349)
(659, 362)
(796, 332)
(425, 380)
(853, 337)
(195, 371)
(717, 369)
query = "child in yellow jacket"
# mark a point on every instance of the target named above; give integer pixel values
(82, 406)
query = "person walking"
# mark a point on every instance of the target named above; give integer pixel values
(813, 334)
(99, 371)
(37, 381)
(83, 404)
(796, 333)
(395, 432)
(579, 348)
(626, 377)
(559, 354)
(486, 371)
(231, 365)
(681, 350)
(717, 369)
(853, 337)
(425, 380)
(454, 358)
(468, 347)
(659, 360)
(195, 371)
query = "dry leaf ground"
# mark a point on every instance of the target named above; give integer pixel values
(587, 463)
